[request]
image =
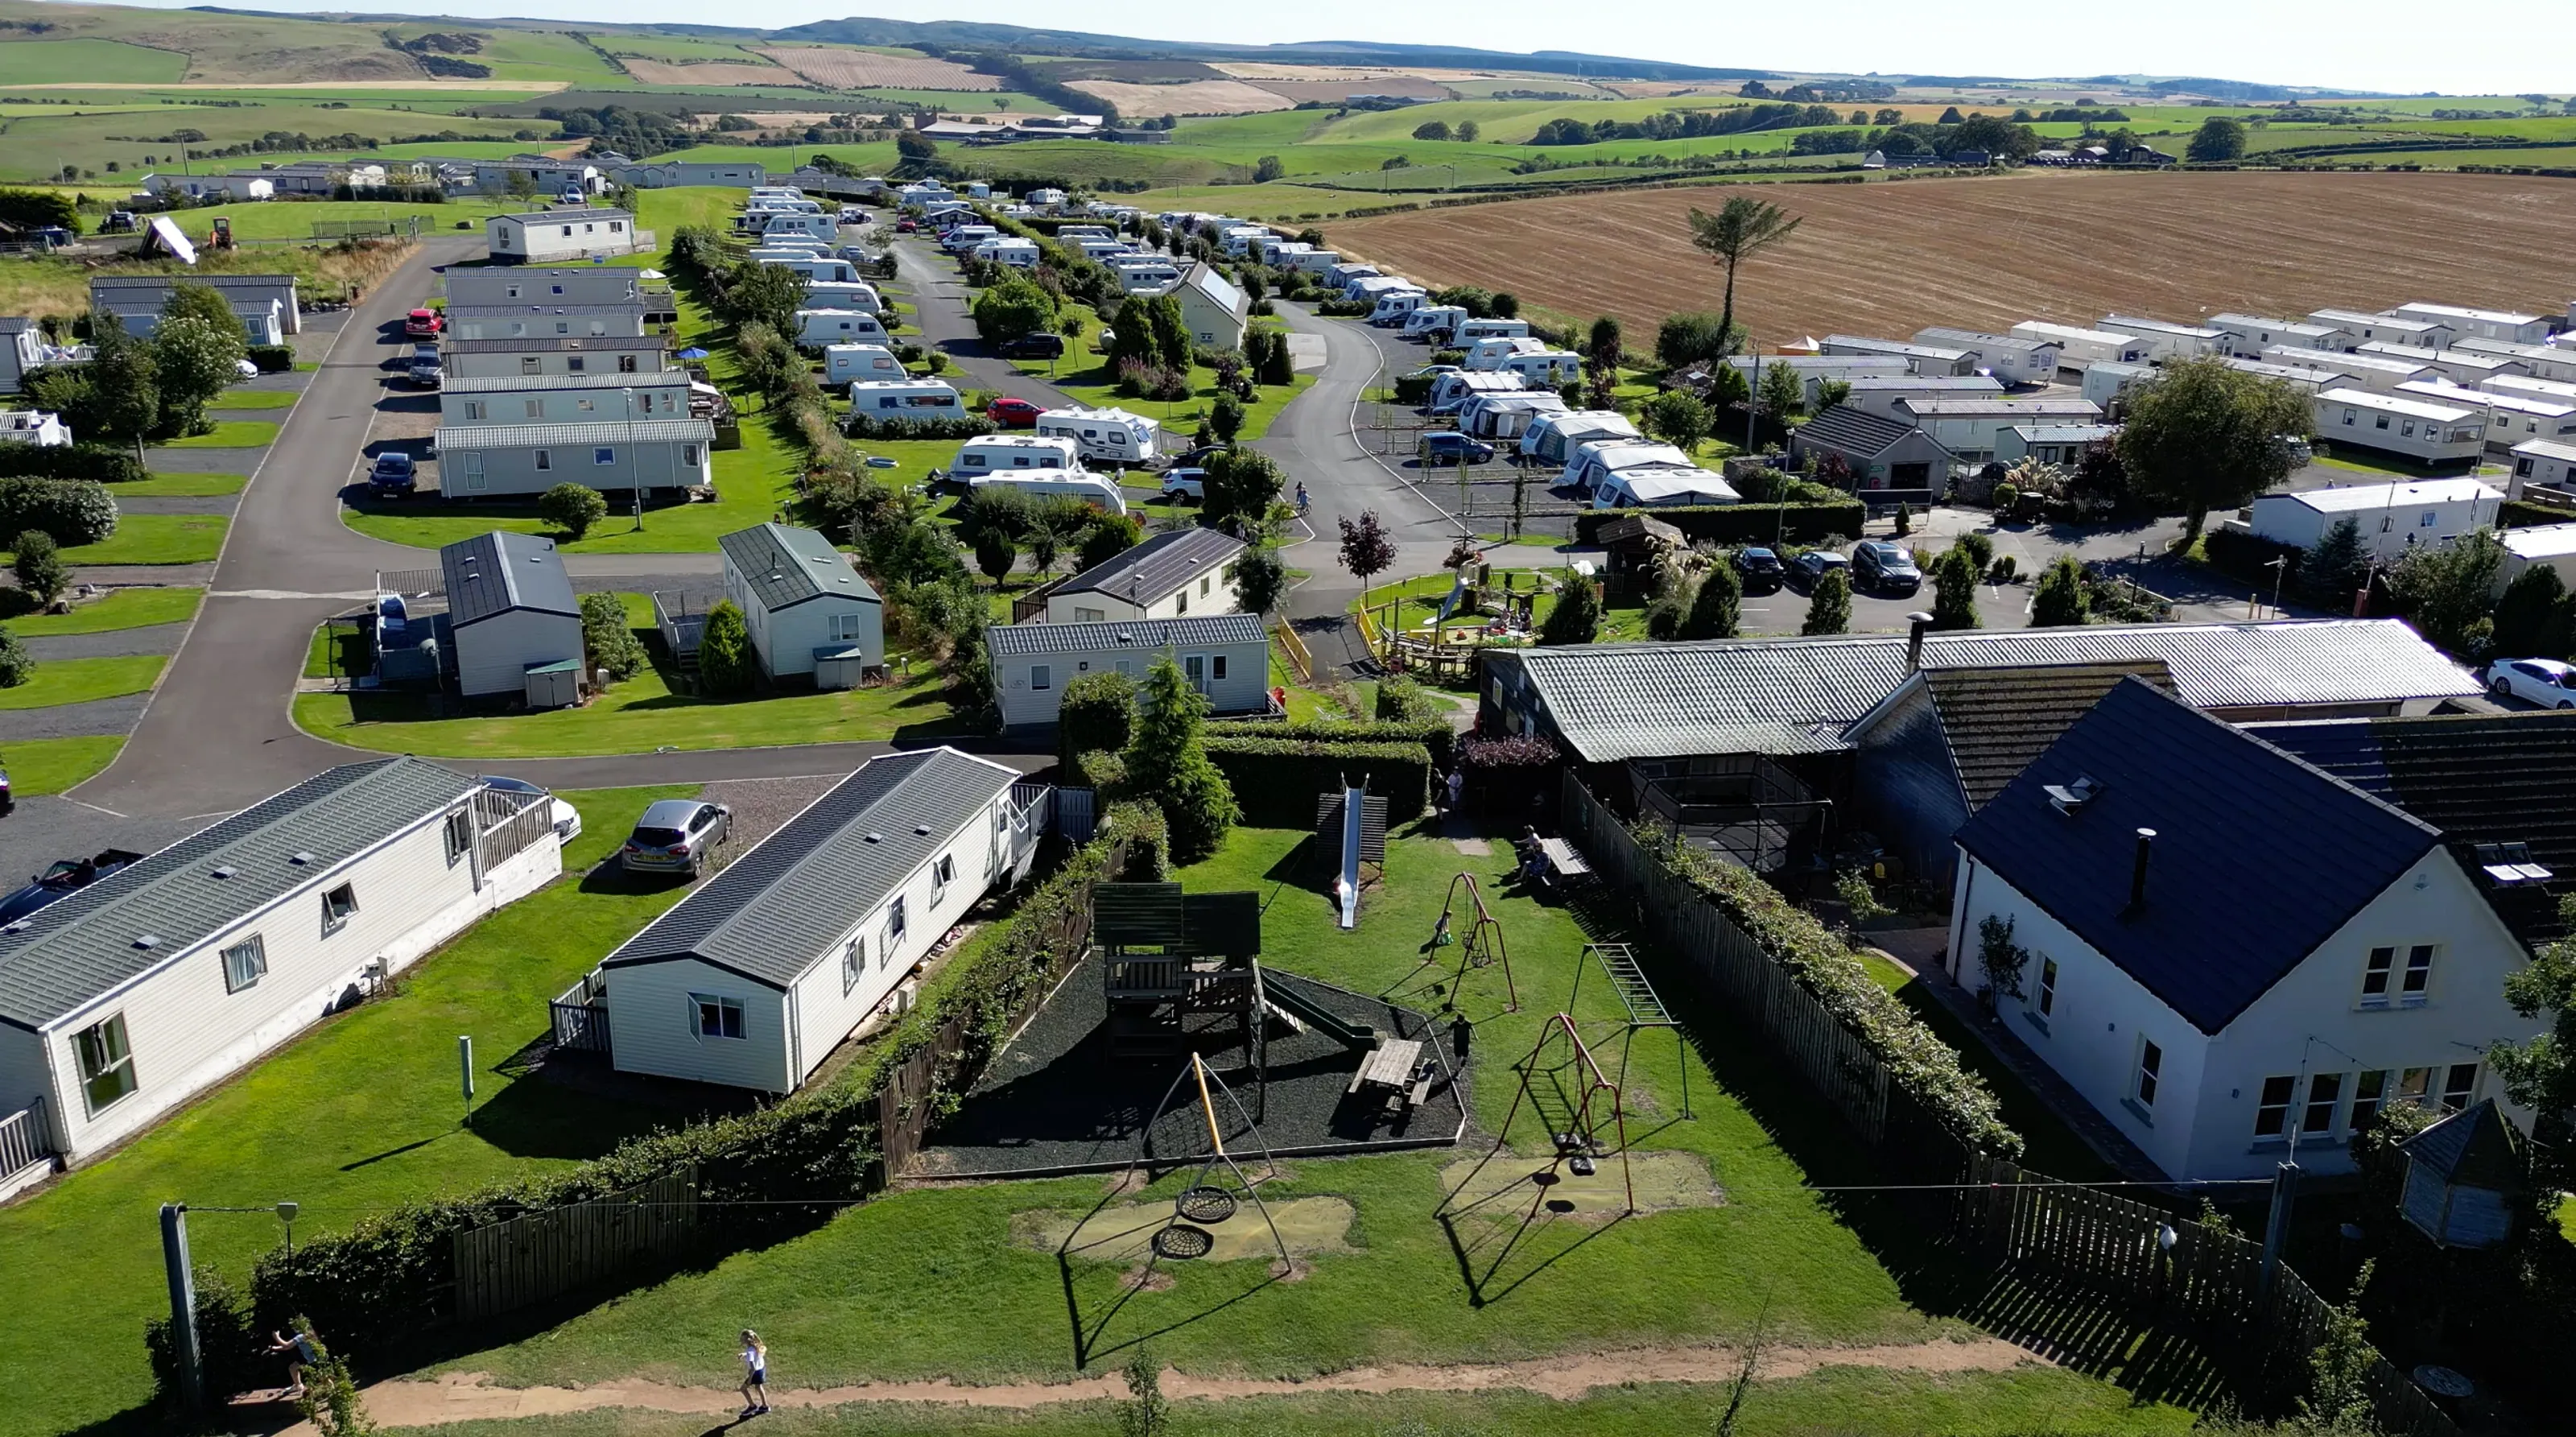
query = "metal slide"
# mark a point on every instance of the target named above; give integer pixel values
(1285, 1000)
(1347, 887)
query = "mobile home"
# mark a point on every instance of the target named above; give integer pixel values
(2329, 373)
(652, 454)
(528, 321)
(1102, 436)
(1173, 575)
(1001, 453)
(2510, 418)
(1009, 250)
(849, 363)
(2502, 326)
(1814, 369)
(1550, 436)
(2356, 328)
(1490, 353)
(1321, 261)
(1471, 330)
(1968, 427)
(2392, 517)
(2011, 360)
(1226, 657)
(803, 602)
(1100, 491)
(905, 401)
(1881, 394)
(2167, 340)
(2108, 383)
(855, 294)
(529, 284)
(819, 328)
(809, 222)
(2526, 384)
(1545, 367)
(2410, 428)
(562, 234)
(510, 608)
(2249, 335)
(820, 268)
(2369, 371)
(1917, 358)
(2080, 348)
(1434, 322)
(504, 400)
(2543, 464)
(547, 355)
(2541, 361)
(2455, 366)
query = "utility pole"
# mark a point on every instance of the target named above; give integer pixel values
(2276, 1231)
(183, 1305)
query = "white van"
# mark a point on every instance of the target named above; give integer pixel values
(1475, 329)
(1098, 491)
(847, 363)
(1433, 320)
(905, 401)
(1106, 436)
(987, 454)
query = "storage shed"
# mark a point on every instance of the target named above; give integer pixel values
(2461, 1176)
(804, 604)
(510, 608)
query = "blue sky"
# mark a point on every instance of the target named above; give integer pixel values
(2461, 47)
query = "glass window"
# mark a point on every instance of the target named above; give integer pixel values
(689, 454)
(2457, 1085)
(625, 364)
(603, 456)
(894, 923)
(944, 872)
(536, 408)
(2374, 977)
(717, 1017)
(2415, 1084)
(1041, 677)
(2272, 1113)
(2047, 986)
(459, 834)
(574, 364)
(245, 963)
(1218, 666)
(585, 406)
(2325, 1091)
(338, 905)
(2151, 1062)
(2368, 1089)
(545, 459)
(2419, 972)
(854, 962)
(106, 1064)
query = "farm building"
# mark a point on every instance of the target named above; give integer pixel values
(2010, 360)
(2540, 361)
(1969, 427)
(2167, 340)
(2502, 326)
(265, 303)
(2392, 517)
(563, 234)
(510, 608)
(582, 284)
(1881, 453)
(2084, 348)
(127, 998)
(2060, 444)
(1918, 358)
(2449, 365)
(759, 974)
(526, 321)
(808, 609)
(2550, 546)
(2248, 335)
(2358, 328)
(2545, 465)
(2376, 372)
(554, 354)
(1225, 657)
(1172, 575)
(1882, 396)
(2410, 428)
(480, 460)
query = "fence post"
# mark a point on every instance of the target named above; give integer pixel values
(2276, 1232)
(183, 1305)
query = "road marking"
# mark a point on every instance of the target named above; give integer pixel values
(288, 594)
(94, 808)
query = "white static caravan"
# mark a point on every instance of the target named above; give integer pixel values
(2411, 428)
(2357, 328)
(1101, 248)
(1238, 240)
(1173, 575)
(1434, 321)
(905, 401)
(821, 269)
(1004, 453)
(2308, 379)
(2455, 366)
(2510, 418)
(851, 363)
(1453, 389)
(1103, 436)
(1549, 437)
(760, 973)
(130, 997)
(2547, 546)
(1010, 251)
(533, 321)
(2502, 326)
(1084, 232)
(1881, 394)
(802, 602)
(2542, 361)
(1968, 427)
(2392, 517)
(2368, 371)
(562, 234)
(510, 608)
(2080, 349)
(2108, 384)
(2063, 445)
(2167, 340)
(491, 461)
(523, 284)
(1145, 273)
(1506, 416)
(2545, 465)
(1226, 657)
(855, 294)
(1917, 358)
(2014, 361)
(1394, 304)
(818, 328)
(2527, 385)
(2249, 335)
(1814, 369)
(499, 358)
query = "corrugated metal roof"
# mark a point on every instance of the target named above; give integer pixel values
(772, 913)
(15, 324)
(540, 383)
(786, 566)
(509, 311)
(502, 572)
(1157, 566)
(86, 944)
(1619, 701)
(576, 215)
(210, 281)
(557, 343)
(535, 436)
(1143, 635)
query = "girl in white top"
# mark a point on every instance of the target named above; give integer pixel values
(755, 1374)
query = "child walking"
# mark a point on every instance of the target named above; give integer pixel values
(755, 1374)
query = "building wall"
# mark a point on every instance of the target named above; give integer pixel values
(1209, 593)
(554, 361)
(1244, 689)
(606, 284)
(654, 465)
(2529, 469)
(2386, 533)
(1208, 322)
(652, 1026)
(515, 241)
(492, 656)
(24, 1074)
(562, 406)
(2404, 435)
(539, 325)
(787, 638)
(1906, 789)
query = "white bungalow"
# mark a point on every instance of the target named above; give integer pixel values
(809, 610)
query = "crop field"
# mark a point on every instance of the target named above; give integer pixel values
(32, 62)
(1198, 97)
(841, 69)
(740, 70)
(678, 50)
(1890, 258)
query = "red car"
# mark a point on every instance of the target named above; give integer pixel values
(1013, 413)
(424, 321)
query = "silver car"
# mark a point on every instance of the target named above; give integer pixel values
(674, 836)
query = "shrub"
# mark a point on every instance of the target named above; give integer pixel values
(1509, 773)
(2006, 496)
(1978, 546)
(2006, 569)
(41, 571)
(610, 639)
(1168, 759)
(16, 664)
(1576, 616)
(71, 461)
(1278, 779)
(1434, 735)
(726, 662)
(572, 508)
(231, 1353)
(1800, 523)
(1098, 714)
(963, 426)
(271, 358)
(1109, 536)
(1401, 700)
(74, 511)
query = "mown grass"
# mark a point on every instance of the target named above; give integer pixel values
(121, 609)
(254, 399)
(79, 681)
(155, 539)
(229, 434)
(39, 766)
(181, 485)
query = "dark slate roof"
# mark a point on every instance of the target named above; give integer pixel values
(1149, 635)
(550, 343)
(2476, 1148)
(786, 566)
(502, 572)
(1157, 566)
(83, 946)
(2258, 858)
(1996, 721)
(2479, 778)
(771, 915)
(1852, 431)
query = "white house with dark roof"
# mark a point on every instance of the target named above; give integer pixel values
(1212, 309)
(127, 998)
(808, 608)
(753, 979)
(1171, 575)
(1224, 656)
(510, 608)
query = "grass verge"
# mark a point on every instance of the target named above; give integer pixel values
(78, 681)
(156, 539)
(40, 766)
(121, 609)
(181, 486)
(229, 434)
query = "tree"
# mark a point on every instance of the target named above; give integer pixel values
(520, 184)
(2333, 567)
(725, 658)
(1954, 590)
(1148, 1413)
(1052, 523)
(766, 294)
(1783, 394)
(2540, 1072)
(608, 636)
(39, 209)
(16, 664)
(206, 303)
(1829, 607)
(1950, 116)
(2218, 140)
(2205, 436)
(1576, 618)
(1013, 309)
(2000, 139)
(1171, 332)
(1278, 365)
(1683, 340)
(2443, 589)
(573, 508)
(194, 360)
(1431, 130)
(2526, 617)
(2061, 600)
(1469, 131)
(125, 385)
(914, 146)
(1677, 417)
(1266, 169)
(1260, 579)
(1507, 305)
(1169, 759)
(1109, 536)
(40, 568)
(1240, 487)
(996, 553)
(1717, 610)
(1830, 392)
(1225, 417)
(1367, 549)
(1098, 713)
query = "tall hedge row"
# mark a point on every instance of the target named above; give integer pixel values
(1277, 780)
(74, 511)
(1433, 734)
(71, 461)
(1742, 523)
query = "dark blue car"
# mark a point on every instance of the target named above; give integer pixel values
(393, 476)
(1448, 446)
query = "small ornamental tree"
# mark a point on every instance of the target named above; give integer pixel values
(2526, 617)
(1954, 590)
(1013, 309)
(1718, 608)
(1168, 760)
(1240, 487)
(1109, 536)
(725, 659)
(995, 553)
(1679, 419)
(610, 639)
(43, 574)
(1576, 619)
(1225, 417)
(1367, 549)
(1098, 712)
(2332, 568)
(2061, 600)
(1782, 392)
(1829, 607)
(1260, 579)
(572, 508)
(16, 664)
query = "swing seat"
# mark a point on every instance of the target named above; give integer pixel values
(1580, 1165)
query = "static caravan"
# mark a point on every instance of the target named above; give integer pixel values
(2410, 428)
(1814, 369)
(1176, 573)
(1226, 657)
(2060, 444)
(2392, 517)
(2510, 418)
(1592, 461)
(562, 234)
(510, 608)
(1239, 240)
(905, 401)
(652, 454)
(2357, 328)
(2308, 379)
(855, 294)
(2107, 384)
(1001, 453)
(2543, 464)
(1881, 394)
(802, 601)
(850, 363)
(2455, 366)
(1010, 250)
(2542, 361)
(2549, 546)
(2249, 335)
(820, 268)
(2526, 384)
(2080, 349)
(531, 321)
(1100, 249)
(1103, 436)
(1506, 416)
(2502, 326)
(789, 250)
(1969, 427)
(528, 284)
(2369, 371)
(1548, 368)
(563, 398)
(1084, 232)
(1918, 358)
(1550, 436)
(818, 328)
(2014, 361)
(1434, 322)
(1658, 485)
(2167, 340)
(262, 301)
(1394, 304)
(1452, 389)
(1145, 273)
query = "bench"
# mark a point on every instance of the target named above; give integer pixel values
(1390, 1066)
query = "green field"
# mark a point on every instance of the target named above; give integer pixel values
(295, 219)
(38, 62)
(36, 144)
(132, 608)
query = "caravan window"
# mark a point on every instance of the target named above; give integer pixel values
(545, 459)
(106, 1062)
(575, 364)
(715, 1016)
(245, 963)
(603, 456)
(625, 364)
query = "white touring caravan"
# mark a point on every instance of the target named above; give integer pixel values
(820, 327)
(905, 401)
(1097, 490)
(844, 363)
(1393, 305)
(1434, 321)
(1004, 453)
(1103, 436)
(1475, 329)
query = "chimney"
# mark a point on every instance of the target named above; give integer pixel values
(2138, 869)
(1914, 640)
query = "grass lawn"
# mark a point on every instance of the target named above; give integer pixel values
(121, 609)
(357, 1115)
(255, 399)
(637, 716)
(1097, 388)
(49, 765)
(77, 681)
(155, 539)
(229, 434)
(181, 486)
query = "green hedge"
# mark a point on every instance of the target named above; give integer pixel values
(1742, 523)
(74, 511)
(271, 358)
(2523, 514)
(73, 461)
(1434, 734)
(1277, 780)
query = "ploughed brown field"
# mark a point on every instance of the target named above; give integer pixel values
(1887, 259)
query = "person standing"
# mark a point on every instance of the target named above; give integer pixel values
(1457, 787)
(755, 1374)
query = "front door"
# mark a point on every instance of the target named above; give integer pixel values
(469, 468)
(1194, 667)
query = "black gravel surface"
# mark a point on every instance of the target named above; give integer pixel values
(117, 715)
(40, 830)
(207, 461)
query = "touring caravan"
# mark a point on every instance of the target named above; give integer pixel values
(818, 327)
(855, 294)
(845, 363)
(1546, 367)
(1003, 453)
(1009, 250)
(818, 267)
(1105, 436)
(1476, 329)
(905, 401)
(1551, 437)
(1434, 322)
(1394, 304)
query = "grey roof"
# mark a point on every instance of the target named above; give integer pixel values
(502, 572)
(554, 343)
(1211, 631)
(1973, 340)
(210, 281)
(538, 436)
(1620, 701)
(506, 311)
(1852, 431)
(533, 383)
(61, 957)
(560, 215)
(786, 566)
(1928, 383)
(1158, 566)
(2037, 406)
(771, 915)
(15, 324)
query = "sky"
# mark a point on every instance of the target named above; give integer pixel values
(2477, 47)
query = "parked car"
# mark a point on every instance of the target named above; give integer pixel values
(2546, 682)
(1183, 485)
(854, 253)
(66, 877)
(567, 818)
(1013, 413)
(1812, 565)
(571, 195)
(1448, 446)
(674, 836)
(1196, 457)
(1879, 566)
(393, 476)
(853, 215)
(424, 370)
(1760, 569)
(907, 225)
(424, 321)
(1034, 346)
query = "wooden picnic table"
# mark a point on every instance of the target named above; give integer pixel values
(1562, 859)
(1389, 1065)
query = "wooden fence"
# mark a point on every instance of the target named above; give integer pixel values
(540, 1255)
(2209, 1281)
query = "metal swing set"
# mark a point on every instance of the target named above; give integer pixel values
(1575, 1147)
(1482, 947)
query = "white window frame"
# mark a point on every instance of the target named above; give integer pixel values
(2332, 1086)
(245, 963)
(897, 924)
(2146, 1075)
(943, 872)
(458, 832)
(1041, 678)
(336, 913)
(99, 1051)
(854, 963)
(2415, 981)
(2278, 1113)
(700, 1003)
(2378, 973)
